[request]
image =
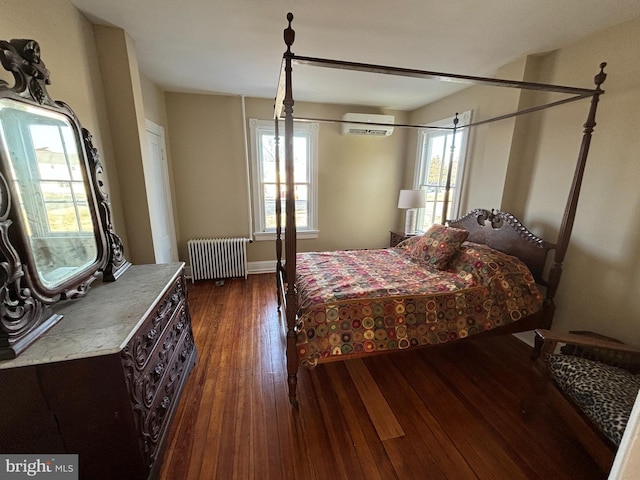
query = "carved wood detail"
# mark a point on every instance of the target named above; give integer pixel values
(22, 58)
(25, 297)
(22, 315)
(156, 362)
(116, 263)
(496, 219)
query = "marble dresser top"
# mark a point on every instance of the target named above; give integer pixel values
(102, 322)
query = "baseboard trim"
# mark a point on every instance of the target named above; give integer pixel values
(266, 266)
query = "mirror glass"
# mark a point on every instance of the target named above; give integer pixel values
(48, 181)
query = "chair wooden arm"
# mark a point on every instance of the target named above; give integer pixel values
(591, 346)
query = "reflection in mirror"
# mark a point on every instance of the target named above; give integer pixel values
(56, 231)
(51, 191)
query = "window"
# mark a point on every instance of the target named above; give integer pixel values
(55, 194)
(434, 153)
(305, 153)
(62, 187)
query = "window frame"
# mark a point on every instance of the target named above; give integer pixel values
(258, 128)
(35, 196)
(424, 138)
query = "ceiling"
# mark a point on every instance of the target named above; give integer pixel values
(235, 46)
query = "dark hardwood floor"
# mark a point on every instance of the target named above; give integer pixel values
(457, 407)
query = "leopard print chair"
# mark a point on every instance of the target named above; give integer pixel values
(597, 380)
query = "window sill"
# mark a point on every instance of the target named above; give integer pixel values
(301, 234)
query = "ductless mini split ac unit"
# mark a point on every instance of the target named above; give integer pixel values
(367, 124)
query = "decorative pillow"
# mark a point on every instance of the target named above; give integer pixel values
(604, 393)
(438, 245)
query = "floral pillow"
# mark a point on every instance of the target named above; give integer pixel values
(439, 245)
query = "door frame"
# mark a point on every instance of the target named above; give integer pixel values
(157, 130)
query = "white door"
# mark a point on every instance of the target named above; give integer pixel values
(156, 174)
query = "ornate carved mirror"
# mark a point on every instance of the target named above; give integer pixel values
(56, 235)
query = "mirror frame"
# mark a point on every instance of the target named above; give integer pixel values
(26, 301)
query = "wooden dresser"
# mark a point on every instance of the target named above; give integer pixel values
(104, 383)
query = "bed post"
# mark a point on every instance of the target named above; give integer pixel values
(290, 225)
(445, 202)
(572, 201)
(278, 210)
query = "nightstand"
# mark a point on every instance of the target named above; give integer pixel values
(397, 237)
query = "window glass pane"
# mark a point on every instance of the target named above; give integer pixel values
(429, 212)
(56, 191)
(46, 137)
(52, 165)
(435, 161)
(62, 217)
(456, 158)
(283, 168)
(269, 192)
(72, 153)
(267, 147)
(302, 206)
(301, 203)
(269, 200)
(300, 158)
(79, 192)
(86, 225)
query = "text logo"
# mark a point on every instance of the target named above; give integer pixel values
(29, 466)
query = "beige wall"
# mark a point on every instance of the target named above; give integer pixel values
(209, 173)
(155, 110)
(526, 166)
(601, 281)
(69, 51)
(123, 92)
(488, 146)
(358, 177)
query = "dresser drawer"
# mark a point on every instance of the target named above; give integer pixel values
(154, 420)
(146, 383)
(140, 349)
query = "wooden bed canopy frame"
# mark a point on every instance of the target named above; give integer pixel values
(483, 226)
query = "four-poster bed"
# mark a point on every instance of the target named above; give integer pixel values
(341, 305)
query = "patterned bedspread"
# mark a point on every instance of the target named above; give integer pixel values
(369, 300)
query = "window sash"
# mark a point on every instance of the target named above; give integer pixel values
(434, 154)
(305, 159)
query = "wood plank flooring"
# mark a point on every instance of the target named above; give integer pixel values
(457, 407)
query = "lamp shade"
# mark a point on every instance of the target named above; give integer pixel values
(412, 199)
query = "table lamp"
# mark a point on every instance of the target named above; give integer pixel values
(411, 200)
